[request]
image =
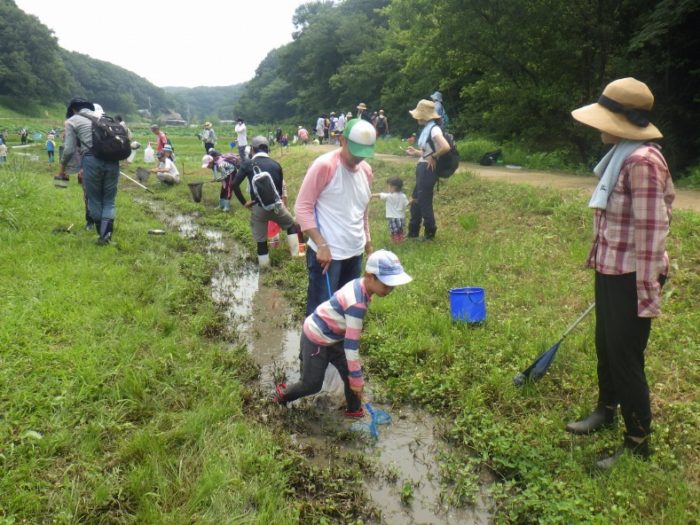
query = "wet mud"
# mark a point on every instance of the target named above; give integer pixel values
(405, 484)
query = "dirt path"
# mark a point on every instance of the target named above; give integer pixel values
(685, 199)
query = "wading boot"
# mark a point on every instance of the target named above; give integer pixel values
(601, 417)
(224, 205)
(293, 243)
(106, 226)
(629, 446)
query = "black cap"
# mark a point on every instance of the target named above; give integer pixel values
(78, 103)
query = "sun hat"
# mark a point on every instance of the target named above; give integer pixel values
(425, 110)
(207, 160)
(387, 267)
(361, 137)
(207, 124)
(78, 103)
(167, 147)
(259, 140)
(622, 111)
(362, 106)
(154, 126)
(349, 114)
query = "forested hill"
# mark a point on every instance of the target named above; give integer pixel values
(35, 70)
(207, 102)
(511, 70)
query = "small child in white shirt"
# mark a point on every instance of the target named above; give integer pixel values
(396, 204)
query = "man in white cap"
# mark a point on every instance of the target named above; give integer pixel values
(263, 212)
(632, 204)
(332, 208)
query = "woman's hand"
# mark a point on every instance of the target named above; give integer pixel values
(413, 152)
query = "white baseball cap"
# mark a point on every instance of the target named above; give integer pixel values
(387, 267)
(361, 137)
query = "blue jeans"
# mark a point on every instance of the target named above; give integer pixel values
(339, 273)
(100, 180)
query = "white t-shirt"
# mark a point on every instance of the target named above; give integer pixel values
(427, 150)
(320, 123)
(340, 212)
(172, 173)
(242, 137)
(396, 204)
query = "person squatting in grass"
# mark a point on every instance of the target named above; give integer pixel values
(259, 216)
(225, 168)
(331, 334)
(632, 204)
(167, 171)
(100, 177)
(396, 203)
(432, 144)
(332, 209)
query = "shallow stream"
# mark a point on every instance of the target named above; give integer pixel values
(407, 487)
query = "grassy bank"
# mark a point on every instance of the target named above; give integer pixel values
(526, 247)
(119, 405)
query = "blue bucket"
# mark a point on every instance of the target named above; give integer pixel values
(468, 304)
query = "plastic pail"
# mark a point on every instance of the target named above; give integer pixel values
(196, 190)
(468, 304)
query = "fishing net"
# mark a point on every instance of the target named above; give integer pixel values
(379, 417)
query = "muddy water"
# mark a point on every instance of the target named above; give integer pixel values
(406, 454)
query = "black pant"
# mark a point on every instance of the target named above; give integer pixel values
(208, 146)
(621, 338)
(315, 359)
(422, 209)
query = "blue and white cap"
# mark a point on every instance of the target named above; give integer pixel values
(387, 267)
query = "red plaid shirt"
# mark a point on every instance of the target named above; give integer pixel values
(630, 234)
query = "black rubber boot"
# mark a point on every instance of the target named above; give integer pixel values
(106, 226)
(601, 417)
(430, 233)
(629, 446)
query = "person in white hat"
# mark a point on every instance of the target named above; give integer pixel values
(167, 171)
(331, 333)
(332, 207)
(208, 136)
(632, 214)
(262, 187)
(432, 144)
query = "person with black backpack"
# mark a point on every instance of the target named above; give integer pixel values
(98, 142)
(267, 195)
(433, 144)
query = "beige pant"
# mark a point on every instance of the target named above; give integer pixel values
(259, 218)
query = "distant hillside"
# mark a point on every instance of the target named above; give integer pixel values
(207, 103)
(35, 70)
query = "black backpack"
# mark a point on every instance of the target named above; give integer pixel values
(110, 140)
(490, 158)
(263, 188)
(447, 163)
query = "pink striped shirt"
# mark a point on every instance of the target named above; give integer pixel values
(630, 234)
(340, 319)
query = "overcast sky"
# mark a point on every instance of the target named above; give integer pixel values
(174, 43)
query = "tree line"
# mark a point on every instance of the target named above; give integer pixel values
(508, 69)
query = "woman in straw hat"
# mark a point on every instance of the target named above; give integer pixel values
(208, 137)
(632, 204)
(432, 144)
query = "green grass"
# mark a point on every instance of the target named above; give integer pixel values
(107, 353)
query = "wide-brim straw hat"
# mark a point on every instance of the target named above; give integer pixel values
(361, 106)
(425, 110)
(622, 111)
